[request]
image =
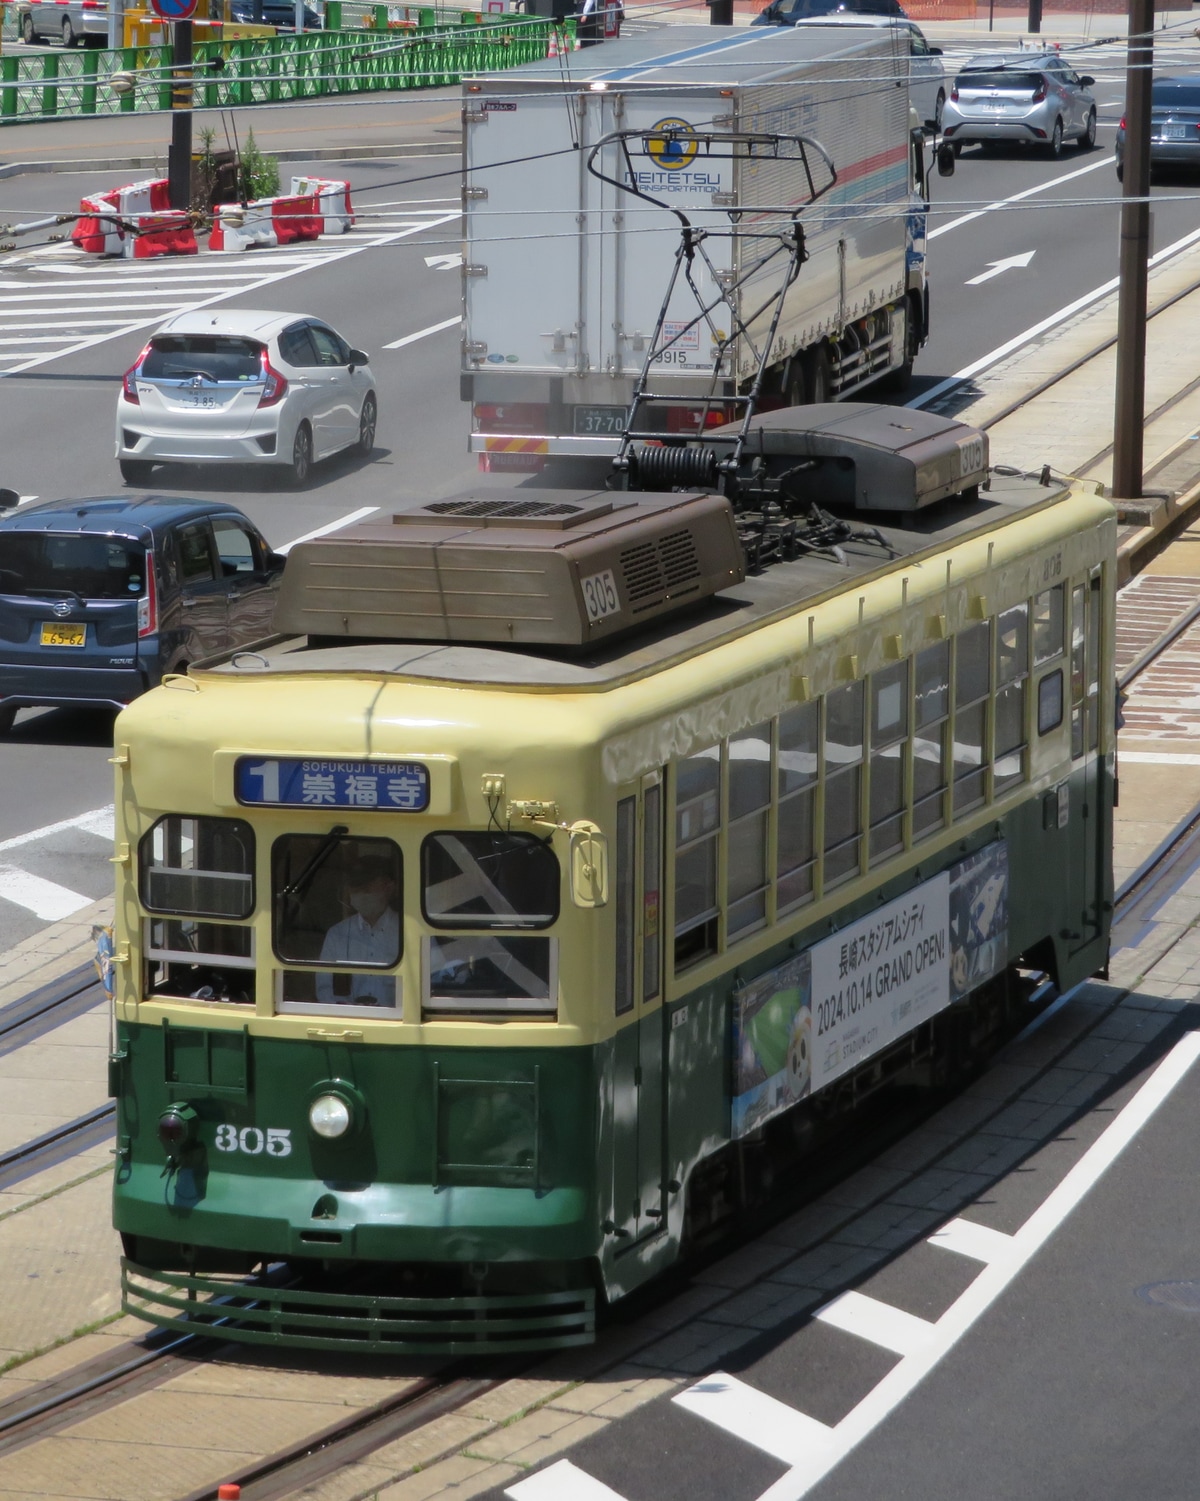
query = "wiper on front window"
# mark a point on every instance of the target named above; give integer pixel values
(297, 890)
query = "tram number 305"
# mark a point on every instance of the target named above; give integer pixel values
(254, 1142)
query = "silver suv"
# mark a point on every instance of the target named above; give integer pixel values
(1037, 100)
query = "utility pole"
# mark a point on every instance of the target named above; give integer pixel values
(1129, 418)
(179, 157)
(1034, 19)
(720, 12)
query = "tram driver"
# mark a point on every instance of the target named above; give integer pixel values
(370, 935)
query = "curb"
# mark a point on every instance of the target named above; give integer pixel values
(1160, 512)
(290, 154)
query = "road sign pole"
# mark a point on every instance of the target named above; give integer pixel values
(1130, 415)
(179, 158)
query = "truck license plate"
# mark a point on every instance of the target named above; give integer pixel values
(63, 635)
(600, 421)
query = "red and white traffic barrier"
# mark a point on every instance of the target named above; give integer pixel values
(296, 217)
(143, 223)
(94, 233)
(241, 226)
(333, 202)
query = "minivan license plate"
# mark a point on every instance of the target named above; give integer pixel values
(63, 635)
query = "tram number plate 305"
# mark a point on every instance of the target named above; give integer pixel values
(600, 598)
(253, 1141)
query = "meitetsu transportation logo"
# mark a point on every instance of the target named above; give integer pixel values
(672, 145)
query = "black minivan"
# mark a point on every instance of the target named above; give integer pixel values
(100, 598)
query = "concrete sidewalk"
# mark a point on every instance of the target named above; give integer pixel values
(344, 129)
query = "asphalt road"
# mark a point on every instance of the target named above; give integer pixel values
(56, 419)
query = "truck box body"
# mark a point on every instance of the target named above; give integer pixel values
(564, 274)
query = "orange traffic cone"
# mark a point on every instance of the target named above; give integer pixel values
(229, 1493)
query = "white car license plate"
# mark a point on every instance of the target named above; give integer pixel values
(1172, 131)
(199, 401)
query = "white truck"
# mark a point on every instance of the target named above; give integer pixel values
(564, 274)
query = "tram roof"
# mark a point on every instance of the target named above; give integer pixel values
(782, 589)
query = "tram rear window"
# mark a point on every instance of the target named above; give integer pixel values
(491, 880)
(198, 867)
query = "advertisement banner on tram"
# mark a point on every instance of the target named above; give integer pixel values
(812, 1019)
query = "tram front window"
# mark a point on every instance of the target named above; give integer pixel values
(489, 880)
(337, 913)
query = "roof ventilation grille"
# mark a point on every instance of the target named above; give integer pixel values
(680, 563)
(643, 576)
(506, 510)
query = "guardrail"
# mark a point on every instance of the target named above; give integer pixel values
(311, 65)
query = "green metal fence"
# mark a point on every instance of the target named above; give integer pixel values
(312, 65)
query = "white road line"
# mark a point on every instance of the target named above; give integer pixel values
(1159, 758)
(773, 1427)
(908, 1373)
(96, 821)
(423, 333)
(981, 364)
(969, 1239)
(562, 1482)
(324, 531)
(45, 899)
(879, 1323)
(368, 243)
(1041, 187)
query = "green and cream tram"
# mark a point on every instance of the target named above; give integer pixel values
(473, 931)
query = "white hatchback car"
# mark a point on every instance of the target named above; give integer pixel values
(244, 387)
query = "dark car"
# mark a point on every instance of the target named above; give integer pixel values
(1174, 124)
(277, 13)
(788, 12)
(100, 598)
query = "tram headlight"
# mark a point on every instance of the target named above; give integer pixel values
(329, 1117)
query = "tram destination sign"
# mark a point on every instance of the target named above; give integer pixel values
(300, 782)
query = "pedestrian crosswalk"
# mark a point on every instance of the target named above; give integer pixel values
(53, 872)
(55, 301)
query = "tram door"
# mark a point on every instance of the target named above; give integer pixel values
(1086, 638)
(640, 1052)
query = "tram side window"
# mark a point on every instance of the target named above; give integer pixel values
(932, 715)
(749, 812)
(796, 783)
(336, 912)
(626, 853)
(1093, 665)
(889, 750)
(1078, 680)
(697, 832)
(1012, 673)
(1047, 625)
(843, 782)
(972, 684)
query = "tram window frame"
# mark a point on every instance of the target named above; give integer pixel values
(1011, 737)
(798, 736)
(932, 682)
(333, 978)
(697, 937)
(205, 828)
(1078, 641)
(972, 700)
(625, 896)
(506, 921)
(1048, 622)
(747, 845)
(1095, 599)
(494, 1007)
(1050, 702)
(887, 784)
(841, 834)
(200, 971)
(652, 877)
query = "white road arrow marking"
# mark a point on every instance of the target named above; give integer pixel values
(1000, 266)
(444, 262)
